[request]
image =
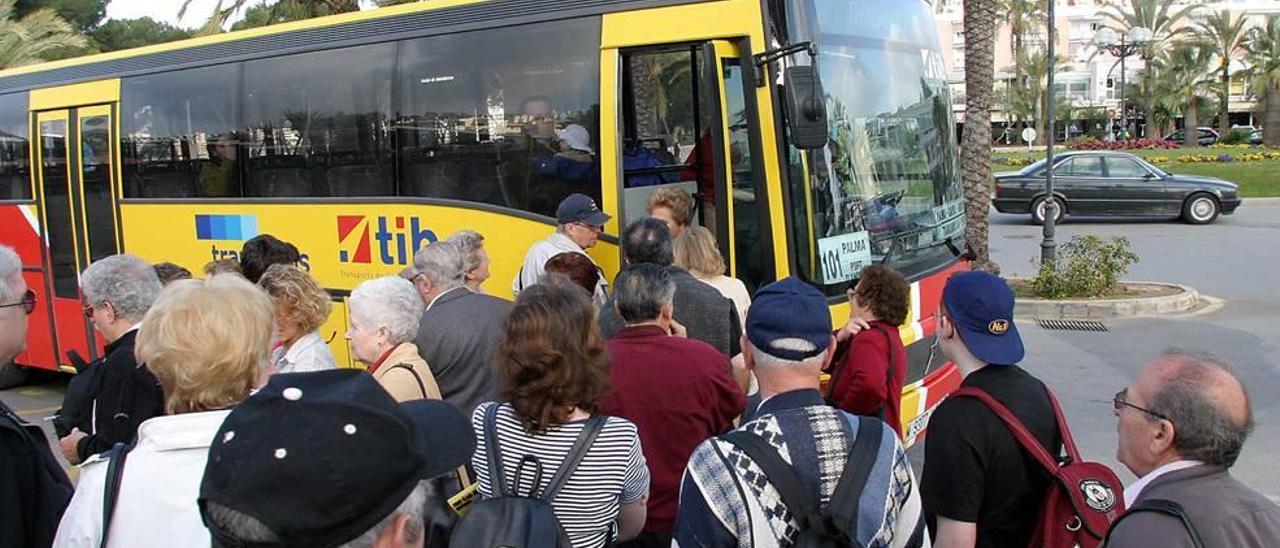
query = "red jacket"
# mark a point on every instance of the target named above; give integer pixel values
(863, 381)
(678, 392)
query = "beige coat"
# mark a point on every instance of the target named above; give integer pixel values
(405, 375)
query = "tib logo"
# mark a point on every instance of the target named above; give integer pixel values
(396, 241)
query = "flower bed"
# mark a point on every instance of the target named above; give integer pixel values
(1130, 144)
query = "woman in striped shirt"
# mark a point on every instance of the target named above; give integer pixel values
(553, 366)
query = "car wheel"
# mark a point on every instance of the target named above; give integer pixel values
(1200, 209)
(1040, 207)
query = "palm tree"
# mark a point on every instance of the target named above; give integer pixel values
(1023, 17)
(1183, 80)
(283, 10)
(33, 38)
(1162, 18)
(1263, 51)
(1226, 35)
(975, 143)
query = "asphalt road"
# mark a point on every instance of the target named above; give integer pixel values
(1234, 260)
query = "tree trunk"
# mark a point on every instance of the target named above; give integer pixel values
(975, 144)
(1271, 131)
(1190, 119)
(1224, 109)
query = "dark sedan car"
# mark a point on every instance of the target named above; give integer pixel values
(1114, 183)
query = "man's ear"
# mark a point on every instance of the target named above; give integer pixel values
(748, 354)
(668, 311)
(1164, 437)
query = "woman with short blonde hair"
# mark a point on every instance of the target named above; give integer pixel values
(673, 206)
(205, 341)
(301, 307)
(696, 251)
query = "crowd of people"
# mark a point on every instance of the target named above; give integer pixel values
(664, 407)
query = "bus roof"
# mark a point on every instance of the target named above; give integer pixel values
(318, 31)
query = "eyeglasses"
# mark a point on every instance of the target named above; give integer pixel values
(88, 309)
(28, 302)
(1119, 402)
(593, 228)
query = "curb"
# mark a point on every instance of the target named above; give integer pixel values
(1186, 300)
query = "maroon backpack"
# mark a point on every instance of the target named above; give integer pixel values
(1084, 498)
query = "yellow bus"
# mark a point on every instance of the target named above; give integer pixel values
(815, 135)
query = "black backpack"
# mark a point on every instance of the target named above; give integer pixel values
(511, 520)
(835, 525)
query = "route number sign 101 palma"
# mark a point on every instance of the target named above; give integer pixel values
(844, 256)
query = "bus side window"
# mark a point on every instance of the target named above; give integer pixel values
(15, 163)
(508, 117)
(179, 128)
(307, 139)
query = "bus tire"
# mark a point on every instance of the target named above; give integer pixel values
(11, 375)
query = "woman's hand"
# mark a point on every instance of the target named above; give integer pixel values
(853, 327)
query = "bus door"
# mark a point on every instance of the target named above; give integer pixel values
(76, 174)
(686, 124)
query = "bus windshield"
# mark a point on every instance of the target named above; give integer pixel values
(885, 188)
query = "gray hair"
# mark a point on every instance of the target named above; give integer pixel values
(641, 291)
(764, 359)
(1203, 427)
(389, 301)
(10, 267)
(130, 284)
(249, 529)
(441, 263)
(470, 242)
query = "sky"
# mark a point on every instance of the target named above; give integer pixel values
(167, 10)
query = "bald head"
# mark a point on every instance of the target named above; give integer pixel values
(1207, 404)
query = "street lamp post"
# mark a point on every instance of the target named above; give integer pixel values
(1048, 247)
(1106, 39)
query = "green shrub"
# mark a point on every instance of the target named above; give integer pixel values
(1087, 266)
(1234, 137)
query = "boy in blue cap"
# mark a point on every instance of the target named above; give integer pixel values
(728, 499)
(979, 487)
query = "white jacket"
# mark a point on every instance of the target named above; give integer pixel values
(535, 262)
(157, 504)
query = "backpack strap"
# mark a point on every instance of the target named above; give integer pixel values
(416, 377)
(780, 475)
(1019, 431)
(1161, 506)
(585, 439)
(111, 492)
(857, 469)
(492, 452)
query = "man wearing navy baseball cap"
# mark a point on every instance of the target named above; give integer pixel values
(978, 488)
(787, 344)
(326, 458)
(579, 223)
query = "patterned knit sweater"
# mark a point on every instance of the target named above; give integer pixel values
(726, 501)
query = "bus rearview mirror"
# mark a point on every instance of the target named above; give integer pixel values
(807, 119)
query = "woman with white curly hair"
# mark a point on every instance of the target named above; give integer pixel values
(384, 314)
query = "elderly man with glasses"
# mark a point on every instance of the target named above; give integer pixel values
(33, 488)
(579, 224)
(115, 394)
(1182, 424)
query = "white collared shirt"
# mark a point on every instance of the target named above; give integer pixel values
(161, 480)
(535, 265)
(1132, 492)
(308, 353)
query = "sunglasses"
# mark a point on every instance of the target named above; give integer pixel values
(1119, 402)
(28, 302)
(88, 309)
